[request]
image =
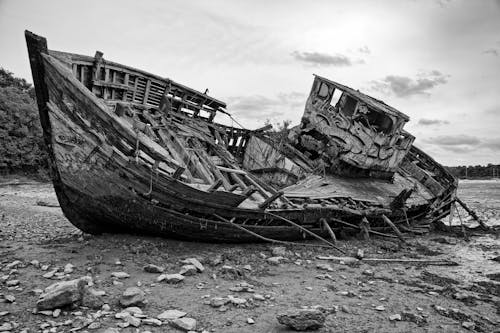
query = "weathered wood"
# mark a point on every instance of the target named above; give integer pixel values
(393, 227)
(437, 262)
(178, 172)
(215, 185)
(472, 213)
(330, 231)
(270, 200)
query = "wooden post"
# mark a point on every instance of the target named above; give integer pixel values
(330, 231)
(393, 226)
(365, 228)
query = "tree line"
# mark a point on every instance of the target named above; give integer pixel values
(476, 171)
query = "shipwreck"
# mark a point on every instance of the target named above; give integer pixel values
(135, 152)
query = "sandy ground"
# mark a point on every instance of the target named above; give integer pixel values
(365, 296)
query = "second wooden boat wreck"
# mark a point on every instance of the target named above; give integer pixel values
(135, 152)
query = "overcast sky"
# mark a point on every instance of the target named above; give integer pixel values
(437, 61)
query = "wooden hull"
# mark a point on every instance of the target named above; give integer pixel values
(102, 189)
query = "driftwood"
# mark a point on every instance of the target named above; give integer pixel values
(359, 228)
(396, 230)
(436, 262)
(472, 213)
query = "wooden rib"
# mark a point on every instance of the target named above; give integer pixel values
(393, 227)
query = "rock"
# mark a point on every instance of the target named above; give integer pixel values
(13, 264)
(303, 319)
(360, 254)
(106, 307)
(380, 308)
(133, 321)
(242, 287)
(10, 298)
(236, 300)
(259, 297)
(219, 301)
(4, 313)
(395, 317)
(92, 298)
(94, 325)
(497, 259)
(250, 321)
(171, 315)
(278, 251)
(6, 327)
(345, 309)
(247, 267)
(133, 310)
(12, 283)
(368, 272)
(62, 293)
(186, 324)
(324, 267)
(68, 268)
(120, 275)
(470, 325)
(415, 318)
(133, 296)
(56, 313)
(195, 262)
(188, 270)
(152, 322)
(170, 278)
(274, 260)
(50, 274)
(150, 268)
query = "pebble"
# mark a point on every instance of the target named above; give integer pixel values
(152, 321)
(68, 268)
(185, 323)
(150, 268)
(195, 262)
(470, 325)
(368, 272)
(259, 297)
(278, 251)
(302, 319)
(94, 325)
(170, 278)
(10, 298)
(6, 327)
(136, 322)
(395, 317)
(250, 321)
(12, 283)
(188, 270)
(219, 301)
(56, 313)
(133, 296)
(380, 308)
(274, 260)
(120, 275)
(325, 267)
(171, 315)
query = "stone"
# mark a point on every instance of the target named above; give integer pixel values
(106, 307)
(6, 327)
(236, 300)
(10, 298)
(120, 275)
(133, 310)
(345, 309)
(188, 270)
(133, 321)
(395, 317)
(218, 301)
(13, 264)
(133, 296)
(12, 283)
(324, 267)
(185, 323)
(170, 278)
(380, 308)
(152, 322)
(150, 268)
(360, 254)
(195, 262)
(274, 260)
(50, 274)
(278, 251)
(302, 319)
(415, 318)
(68, 268)
(259, 297)
(171, 315)
(92, 298)
(62, 293)
(368, 272)
(95, 325)
(56, 313)
(243, 287)
(250, 321)
(470, 325)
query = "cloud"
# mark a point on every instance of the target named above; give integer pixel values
(454, 140)
(324, 59)
(403, 86)
(263, 107)
(492, 144)
(492, 51)
(429, 122)
(493, 110)
(364, 50)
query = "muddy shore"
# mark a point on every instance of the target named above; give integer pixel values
(363, 297)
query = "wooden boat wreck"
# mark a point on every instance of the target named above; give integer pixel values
(135, 152)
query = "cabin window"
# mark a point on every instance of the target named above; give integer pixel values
(323, 90)
(335, 97)
(378, 121)
(348, 105)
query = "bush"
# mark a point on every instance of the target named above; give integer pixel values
(21, 145)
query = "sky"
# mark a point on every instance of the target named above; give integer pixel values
(438, 61)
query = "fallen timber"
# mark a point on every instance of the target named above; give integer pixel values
(131, 151)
